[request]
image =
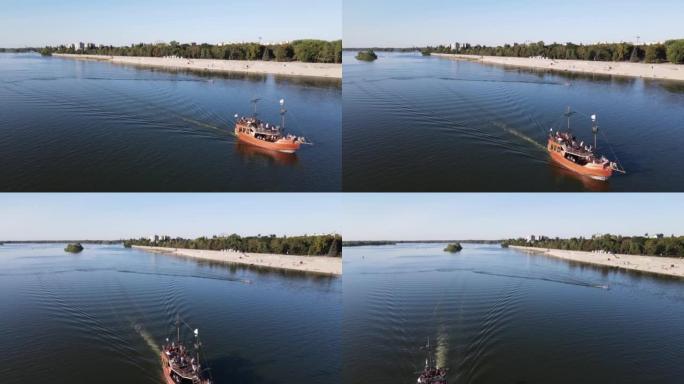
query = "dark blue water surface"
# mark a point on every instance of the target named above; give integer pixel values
(502, 316)
(414, 123)
(100, 316)
(69, 125)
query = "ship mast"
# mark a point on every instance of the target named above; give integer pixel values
(594, 129)
(254, 102)
(283, 111)
(197, 345)
(178, 328)
(569, 114)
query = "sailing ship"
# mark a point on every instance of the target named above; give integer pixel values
(579, 157)
(253, 131)
(180, 364)
(432, 374)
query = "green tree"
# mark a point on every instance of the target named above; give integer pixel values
(267, 54)
(655, 53)
(284, 52)
(675, 51)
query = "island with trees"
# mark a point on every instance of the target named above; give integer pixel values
(368, 55)
(453, 248)
(74, 248)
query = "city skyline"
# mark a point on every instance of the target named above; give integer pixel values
(492, 22)
(122, 216)
(37, 23)
(501, 216)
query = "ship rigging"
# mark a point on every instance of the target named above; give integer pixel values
(431, 374)
(578, 156)
(253, 131)
(182, 365)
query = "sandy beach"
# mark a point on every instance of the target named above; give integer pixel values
(332, 71)
(315, 264)
(669, 266)
(647, 71)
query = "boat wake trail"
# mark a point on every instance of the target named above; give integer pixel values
(149, 340)
(481, 272)
(222, 278)
(520, 135)
(505, 127)
(559, 281)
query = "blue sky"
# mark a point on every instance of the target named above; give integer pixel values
(404, 23)
(496, 216)
(122, 22)
(116, 216)
(355, 216)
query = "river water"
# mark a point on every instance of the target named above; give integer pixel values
(70, 125)
(414, 123)
(101, 315)
(503, 316)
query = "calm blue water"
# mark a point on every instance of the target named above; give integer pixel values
(69, 125)
(502, 316)
(101, 315)
(414, 123)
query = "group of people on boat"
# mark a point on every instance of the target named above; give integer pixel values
(577, 152)
(571, 142)
(433, 375)
(266, 131)
(182, 363)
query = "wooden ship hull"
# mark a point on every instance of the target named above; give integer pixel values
(596, 171)
(166, 370)
(281, 145)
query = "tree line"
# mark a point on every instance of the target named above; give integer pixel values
(670, 51)
(658, 245)
(18, 50)
(308, 51)
(316, 245)
(385, 49)
(361, 243)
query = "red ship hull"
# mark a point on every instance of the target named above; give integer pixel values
(594, 171)
(166, 369)
(282, 145)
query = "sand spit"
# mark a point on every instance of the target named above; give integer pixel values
(315, 264)
(333, 71)
(647, 71)
(670, 266)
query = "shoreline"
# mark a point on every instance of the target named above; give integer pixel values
(314, 264)
(667, 266)
(295, 68)
(664, 71)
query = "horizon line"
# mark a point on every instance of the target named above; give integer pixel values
(526, 42)
(180, 42)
